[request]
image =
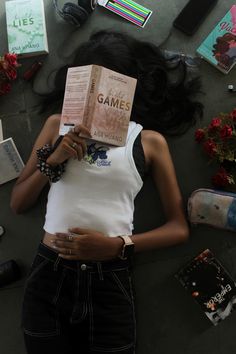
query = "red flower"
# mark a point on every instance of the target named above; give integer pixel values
(221, 178)
(215, 123)
(11, 58)
(210, 147)
(11, 73)
(233, 115)
(226, 131)
(199, 135)
(5, 87)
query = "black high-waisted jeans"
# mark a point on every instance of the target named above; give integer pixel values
(74, 307)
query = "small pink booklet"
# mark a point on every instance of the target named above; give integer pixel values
(100, 99)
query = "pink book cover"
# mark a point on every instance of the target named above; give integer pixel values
(100, 99)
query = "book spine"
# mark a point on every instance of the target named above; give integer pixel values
(92, 92)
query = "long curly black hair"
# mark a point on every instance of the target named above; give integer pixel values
(159, 103)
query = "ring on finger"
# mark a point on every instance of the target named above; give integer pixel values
(74, 145)
(70, 237)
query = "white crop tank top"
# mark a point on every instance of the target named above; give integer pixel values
(97, 192)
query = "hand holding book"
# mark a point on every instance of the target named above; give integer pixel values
(72, 145)
(100, 99)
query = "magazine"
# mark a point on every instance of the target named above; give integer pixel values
(100, 99)
(219, 48)
(210, 285)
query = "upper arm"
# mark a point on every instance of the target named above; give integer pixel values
(163, 173)
(46, 136)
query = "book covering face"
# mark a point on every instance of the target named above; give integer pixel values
(100, 99)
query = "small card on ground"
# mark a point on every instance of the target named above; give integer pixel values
(128, 9)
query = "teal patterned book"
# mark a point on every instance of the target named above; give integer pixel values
(219, 48)
(26, 27)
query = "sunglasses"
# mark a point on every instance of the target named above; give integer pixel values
(175, 58)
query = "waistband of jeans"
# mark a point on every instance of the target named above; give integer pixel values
(51, 255)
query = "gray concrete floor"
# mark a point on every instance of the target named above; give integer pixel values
(168, 320)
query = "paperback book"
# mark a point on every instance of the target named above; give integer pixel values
(210, 285)
(100, 99)
(26, 27)
(219, 48)
(11, 163)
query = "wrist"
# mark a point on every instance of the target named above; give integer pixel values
(127, 249)
(47, 165)
(50, 161)
(117, 246)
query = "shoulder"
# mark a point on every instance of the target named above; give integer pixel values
(152, 137)
(51, 127)
(154, 145)
(53, 120)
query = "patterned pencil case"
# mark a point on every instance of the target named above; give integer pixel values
(213, 207)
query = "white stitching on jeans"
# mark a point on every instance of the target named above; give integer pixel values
(90, 304)
(120, 285)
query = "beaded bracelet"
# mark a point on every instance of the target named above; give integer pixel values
(53, 173)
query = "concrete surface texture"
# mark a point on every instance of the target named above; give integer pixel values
(168, 319)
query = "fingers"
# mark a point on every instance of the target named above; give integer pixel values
(74, 145)
(81, 129)
(66, 246)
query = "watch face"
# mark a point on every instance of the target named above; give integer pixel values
(128, 250)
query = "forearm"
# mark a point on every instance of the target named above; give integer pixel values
(26, 193)
(166, 235)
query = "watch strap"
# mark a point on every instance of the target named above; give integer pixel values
(127, 239)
